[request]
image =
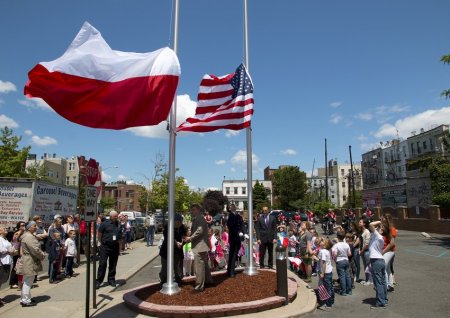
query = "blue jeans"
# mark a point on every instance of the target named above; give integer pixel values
(379, 280)
(328, 283)
(150, 235)
(343, 270)
(357, 263)
(366, 261)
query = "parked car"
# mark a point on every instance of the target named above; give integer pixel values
(137, 232)
(159, 222)
(140, 231)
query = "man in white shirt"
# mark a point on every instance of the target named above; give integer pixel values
(150, 229)
(378, 264)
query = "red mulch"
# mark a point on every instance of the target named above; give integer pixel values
(242, 288)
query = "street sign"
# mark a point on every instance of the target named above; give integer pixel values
(90, 206)
(91, 171)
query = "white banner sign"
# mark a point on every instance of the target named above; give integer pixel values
(15, 202)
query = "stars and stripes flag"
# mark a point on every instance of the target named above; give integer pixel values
(222, 102)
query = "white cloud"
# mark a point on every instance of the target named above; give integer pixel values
(394, 109)
(106, 177)
(44, 141)
(362, 138)
(28, 132)
(288, 152)
(240, 158)
(232, 133)
(233, 169)
(185, 108)
(8, 122)
(220, 162)
(36, 103)
(2, 101)
(122, 177)
(6, 87)
(336, 119)
(369, 146)
(364, 116)
(406, 125)
(335, 104)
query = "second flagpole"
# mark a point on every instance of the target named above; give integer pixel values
(251, 268)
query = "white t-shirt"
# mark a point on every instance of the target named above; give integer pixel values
(376, 245)
(341, 250)
(325, 256)
(5, 246)
(292, 243)
(70, 247)
(366, 237)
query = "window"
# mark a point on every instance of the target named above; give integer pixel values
(227, 190)
(418, 148)
(67, 180)
(244, 190)
(344, 198)
(71, 166)
(57, 175)
(332, 182)
(50, 173)
(235, 190)
(404, 151)
(413, 150)
(343, 184)
(342, 172)
(332, 196)
(424, 144)
(74, 180)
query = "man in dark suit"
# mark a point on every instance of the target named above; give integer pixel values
(266, 234)
(236, 229)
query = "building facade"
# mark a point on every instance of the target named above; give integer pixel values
(237, 191)
(316, 186)
(126, 196)
(391, 178)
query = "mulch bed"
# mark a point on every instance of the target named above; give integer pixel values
(242, 288)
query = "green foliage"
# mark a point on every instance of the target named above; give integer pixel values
(446, 60)
(12, 159)
(107, 203)
(322, 207)
(261, 196)
(37, 171)
(358, 200)
(440, 177)
(159, 196)
(214, 201)
(289, 185)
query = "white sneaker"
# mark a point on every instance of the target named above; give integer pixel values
(324, 308)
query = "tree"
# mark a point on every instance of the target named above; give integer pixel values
(37, 171)
(214, 201)
(107, 203)
(446, 60)
(12, 159)
(358, 200)
(160, 193)
(260, 196)
(289, 185)
(440, 185)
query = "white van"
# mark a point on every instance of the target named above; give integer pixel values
(131, 214)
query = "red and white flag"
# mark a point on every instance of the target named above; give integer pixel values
(223, 102)
(95, 86)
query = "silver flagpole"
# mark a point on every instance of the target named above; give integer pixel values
(251, 268)
(171, 287)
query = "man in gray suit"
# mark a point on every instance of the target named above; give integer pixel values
(200, 248)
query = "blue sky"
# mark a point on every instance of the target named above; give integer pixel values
(354, 72)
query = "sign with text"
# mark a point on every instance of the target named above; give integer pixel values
(92, 171)
(15, 202)
(90, 207)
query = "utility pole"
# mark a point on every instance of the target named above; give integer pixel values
(352, 178)
(326, 171)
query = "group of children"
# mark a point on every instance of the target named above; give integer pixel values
(61, 253)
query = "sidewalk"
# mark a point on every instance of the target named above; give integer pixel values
(67, 299)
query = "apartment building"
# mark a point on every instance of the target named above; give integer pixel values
(236, 191)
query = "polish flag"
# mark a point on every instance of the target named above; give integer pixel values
(95, 86)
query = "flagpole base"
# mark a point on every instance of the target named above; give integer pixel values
(251, 271)
(170, 288)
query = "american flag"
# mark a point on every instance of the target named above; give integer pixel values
(222, 102)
